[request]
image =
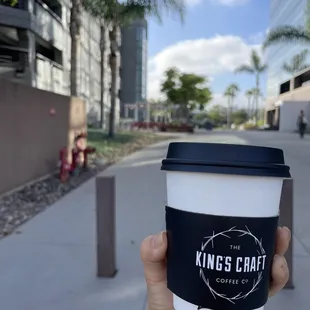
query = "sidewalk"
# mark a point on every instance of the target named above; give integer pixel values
(51, 265)
(297, 156)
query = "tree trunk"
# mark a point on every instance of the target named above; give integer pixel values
(75, 33)
(253, 107)
(256, 98)
(231, 109)
(228, 112)
(185, 114)
(113, 67)
(102, 69)
(249, 107)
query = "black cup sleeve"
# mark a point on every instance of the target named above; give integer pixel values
(219, 262)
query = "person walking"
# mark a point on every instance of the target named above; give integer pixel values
(302, 124)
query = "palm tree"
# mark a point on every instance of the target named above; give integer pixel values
(231, 93)
(256, 93)
(297, 63)
(290, 34)
(115, 14)
(255, 68)
(249, 95)
(75, 34)
(102, 69)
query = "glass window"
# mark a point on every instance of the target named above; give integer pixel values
(290, 12)
(144, 56)
(139, 34)
(139, 56)
(144, 34)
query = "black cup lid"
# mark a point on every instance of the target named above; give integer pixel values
(226, 159)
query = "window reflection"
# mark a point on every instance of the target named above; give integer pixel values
(141, 58)
(289, 12)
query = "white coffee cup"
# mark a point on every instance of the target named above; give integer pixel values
(221, 194)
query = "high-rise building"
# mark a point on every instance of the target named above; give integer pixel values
(134, 68)
(287, 93)
(283, 12)
(35, 49)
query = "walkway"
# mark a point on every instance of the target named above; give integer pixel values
(51, 264)
(297, 155)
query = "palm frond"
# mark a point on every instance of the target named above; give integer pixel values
(234, 87)
(169, 7)
(304, 53)
(287, 34)
(249, 93)
(112, 11)
(244, 68)
(256, 91)
(262, 68)
(106, 10)
(297, 63)
(255, 59)
(305, 66)
(288, 68)
(131, 10)
(307, 15)
(231, 90)
(157, 8)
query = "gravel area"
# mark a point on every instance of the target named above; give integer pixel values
(20, 206)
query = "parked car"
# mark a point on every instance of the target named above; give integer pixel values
(208, 125)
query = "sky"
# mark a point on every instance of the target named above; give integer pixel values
(216, 37)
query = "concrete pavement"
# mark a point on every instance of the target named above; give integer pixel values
(51, 264)
(297, 156)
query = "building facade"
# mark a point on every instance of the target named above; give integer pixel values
(134, 69)
(283, 12)
(281, 113)
(35, 49)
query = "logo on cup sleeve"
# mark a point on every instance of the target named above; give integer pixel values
(231, 263)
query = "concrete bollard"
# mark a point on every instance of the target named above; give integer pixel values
(286, 219)
(105, 224)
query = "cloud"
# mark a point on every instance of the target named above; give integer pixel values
(210, 57)
(231, 2)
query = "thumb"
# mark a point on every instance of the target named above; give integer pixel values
(153, 255)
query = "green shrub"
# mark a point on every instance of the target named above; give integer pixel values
(260, 123)
(249, 126)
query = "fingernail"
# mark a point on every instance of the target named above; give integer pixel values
(287, 230)
(157, 240)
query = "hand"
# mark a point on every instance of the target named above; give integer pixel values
(153, 254)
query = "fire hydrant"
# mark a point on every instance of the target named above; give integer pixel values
(64, 166)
